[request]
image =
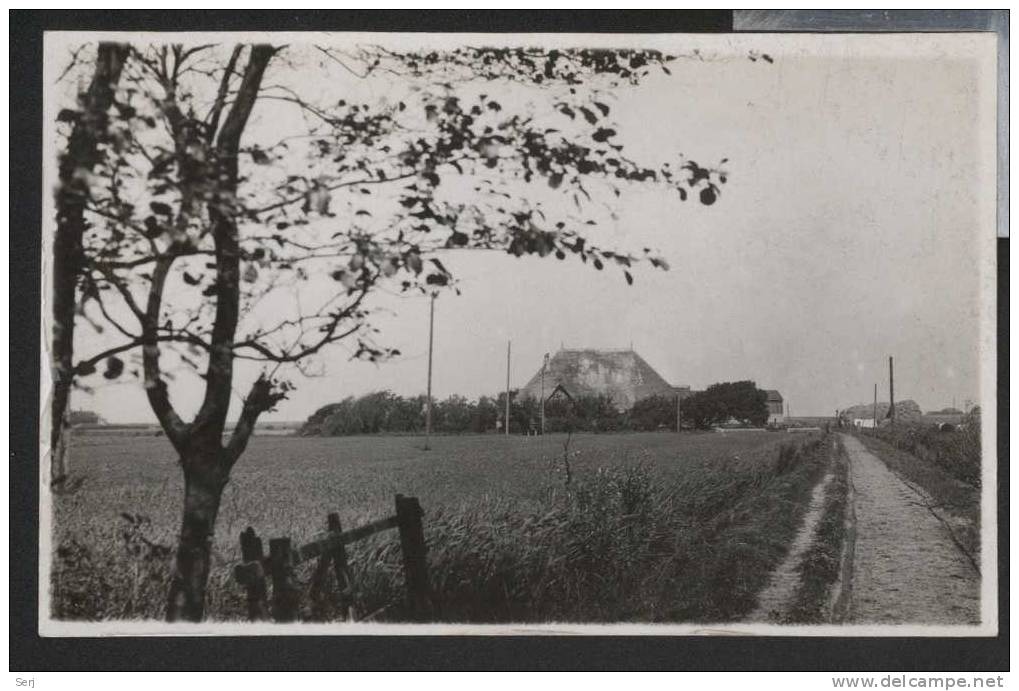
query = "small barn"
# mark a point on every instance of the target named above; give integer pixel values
(776, 407)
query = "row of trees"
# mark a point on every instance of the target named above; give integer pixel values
(387, 412)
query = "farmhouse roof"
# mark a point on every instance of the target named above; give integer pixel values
(774, 395)
(622, 374)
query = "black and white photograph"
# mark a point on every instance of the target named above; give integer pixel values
(448, 333)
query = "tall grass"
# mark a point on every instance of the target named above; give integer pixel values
(644, 535)
(619, 545)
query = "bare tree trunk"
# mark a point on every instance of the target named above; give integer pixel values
(82, 155)
(204, 480)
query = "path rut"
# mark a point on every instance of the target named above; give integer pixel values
(774, 601)
(906, 569)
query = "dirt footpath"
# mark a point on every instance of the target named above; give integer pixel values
(906, 569)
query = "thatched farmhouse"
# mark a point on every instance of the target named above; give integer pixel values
(622, 374)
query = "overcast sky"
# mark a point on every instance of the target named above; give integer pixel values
(850, 230)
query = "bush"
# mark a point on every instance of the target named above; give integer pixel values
(653, 413)
(741, 401)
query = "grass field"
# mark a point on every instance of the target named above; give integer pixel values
(652, 527)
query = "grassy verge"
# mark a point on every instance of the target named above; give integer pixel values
(955, 501)
(954, 451)
(820, 566)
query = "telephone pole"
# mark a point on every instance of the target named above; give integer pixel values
(544, 366)
(428, 400)
(875, 406)
(509, 345)
(679, 412)
(891, 389)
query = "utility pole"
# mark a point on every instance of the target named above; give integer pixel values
(509, 345)
(891, 389)
(875, 406)
(679, 412)
(428, 401)
(544, 366)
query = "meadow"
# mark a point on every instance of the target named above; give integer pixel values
(608, 527)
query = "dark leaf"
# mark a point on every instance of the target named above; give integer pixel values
(68, 115)
(161, 208)
(114, 367)
(602, 107)
(152, 227)
(603, 134)
(589, 115)
(629, 278)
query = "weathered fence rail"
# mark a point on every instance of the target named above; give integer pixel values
(329, 549)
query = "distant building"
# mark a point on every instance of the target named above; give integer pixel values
(776, 407)
(621, 374)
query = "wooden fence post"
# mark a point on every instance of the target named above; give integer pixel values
(415, 563)
(284, 593)
(251, 575)
(341, 568)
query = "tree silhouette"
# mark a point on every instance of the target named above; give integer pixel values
(82, 153)
(741, 401)
(194, 222)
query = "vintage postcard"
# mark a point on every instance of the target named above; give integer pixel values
(373, 333)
